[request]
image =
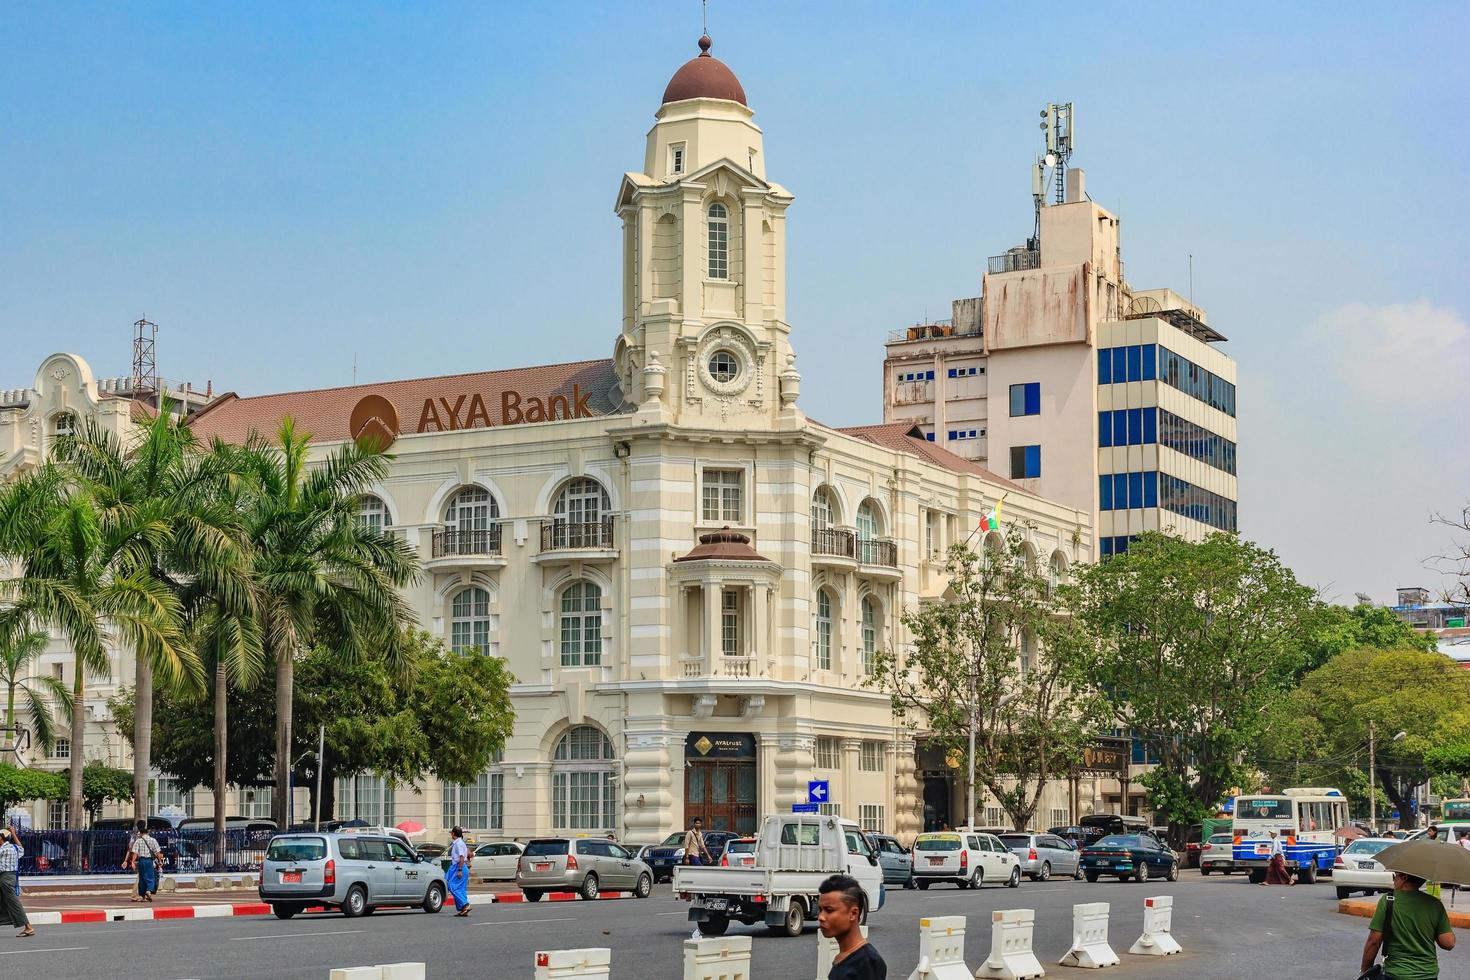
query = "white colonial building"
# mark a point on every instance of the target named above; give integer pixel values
(687, 576)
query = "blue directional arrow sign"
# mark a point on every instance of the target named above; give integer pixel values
(817, 791)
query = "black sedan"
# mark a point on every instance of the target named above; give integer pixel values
(1136, 856)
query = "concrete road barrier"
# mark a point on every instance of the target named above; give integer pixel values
(725, 958)
(1011, 956)
(941, 949)
(574, 964)
(168, 884)
(1090, 949)
(204, 881)
(356, 973)
(827, 952)
(1158, 919)
(392, 971)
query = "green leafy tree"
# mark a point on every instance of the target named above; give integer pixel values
(21, 646)
(1325, 722)
(323, 577)
(439, 714)
(102, 784)
(1449, 760)
(1338, 629)
(19, 785)
(1198, 640)
(998, 632)
(82, 573)
(164, 495)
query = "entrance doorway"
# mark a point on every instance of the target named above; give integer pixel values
(720, 781)
(937, 801)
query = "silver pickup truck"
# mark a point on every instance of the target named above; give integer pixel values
(796, 852)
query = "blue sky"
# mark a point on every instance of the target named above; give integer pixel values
(285, 188)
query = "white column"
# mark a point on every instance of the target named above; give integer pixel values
(711, 630)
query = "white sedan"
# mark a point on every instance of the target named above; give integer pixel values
(1356, 869)
(495, 861)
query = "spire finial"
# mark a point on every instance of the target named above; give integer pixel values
(704, 45)
(704, 41)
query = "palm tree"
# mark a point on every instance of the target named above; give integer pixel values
(21, 645)
(322, 576)
(82, 574)
(163, 505)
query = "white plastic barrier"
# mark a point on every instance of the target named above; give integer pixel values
(1011, 957)
(941, 949)
(1158, 918)
(1090, 948)
(827, 952)
(573, 964)
(392, 971)
(725, 958)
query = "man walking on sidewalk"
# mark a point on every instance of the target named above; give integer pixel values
(143, 855)
(10, 908)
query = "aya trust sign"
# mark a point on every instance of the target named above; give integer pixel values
(375, 419)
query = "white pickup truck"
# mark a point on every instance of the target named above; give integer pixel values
(796, 852)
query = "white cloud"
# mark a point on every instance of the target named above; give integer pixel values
(1409, 356)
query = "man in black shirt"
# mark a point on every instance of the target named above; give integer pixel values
(840, 912)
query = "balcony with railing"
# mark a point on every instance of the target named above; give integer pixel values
(453, 547)
(577, 540)
(881, 552)
(694, 667)
(834, 546)
(1016, 260)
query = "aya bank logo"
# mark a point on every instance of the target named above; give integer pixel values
(374, 423)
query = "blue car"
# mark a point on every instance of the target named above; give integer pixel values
(663, 858)
(1136, 856)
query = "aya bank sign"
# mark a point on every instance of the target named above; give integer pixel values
(375, 422)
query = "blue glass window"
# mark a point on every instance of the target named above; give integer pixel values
(1151, 489)
(1120, 364)
(929, 436)
(953, 372)
(1104, 429)
(1120, 491)
(1107, 546)
(1120, 428)
(1026, 399)
(1150, 425)
(928, 375)
(1135, 363)
(1150, 361)
(1135, 489)
(1135, 426)
(1025, 462)
(1105, 492)
(1105, 367)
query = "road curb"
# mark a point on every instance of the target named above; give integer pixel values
(215, 911)
(1365, 907)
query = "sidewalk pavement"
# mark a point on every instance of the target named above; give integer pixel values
(113, 905)
(1459, 918)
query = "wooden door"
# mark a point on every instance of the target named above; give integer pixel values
(722, 794)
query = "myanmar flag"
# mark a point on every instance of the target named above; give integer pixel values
(990, 520)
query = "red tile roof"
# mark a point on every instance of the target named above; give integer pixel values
(906, 437)
(325, 412)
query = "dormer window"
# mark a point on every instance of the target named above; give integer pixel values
(719, 241)
(676, 158)
(65, 424)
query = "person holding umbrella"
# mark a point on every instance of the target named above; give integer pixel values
(1408, 924)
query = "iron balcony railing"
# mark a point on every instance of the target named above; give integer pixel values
(559, 535)
(834, 541)
(1014, 261)
(455, 541)
(877, 551)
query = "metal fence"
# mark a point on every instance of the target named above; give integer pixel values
(68, 852)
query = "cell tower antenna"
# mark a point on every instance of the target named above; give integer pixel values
(145, 362)
(1050, 169)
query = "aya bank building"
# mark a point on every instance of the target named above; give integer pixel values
(687, 576)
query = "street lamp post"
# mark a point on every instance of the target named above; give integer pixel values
(1007, 699)
(1373, 776)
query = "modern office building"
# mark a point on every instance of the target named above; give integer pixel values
(688, 577)
(1065, 379)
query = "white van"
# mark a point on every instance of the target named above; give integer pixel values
(967, 858)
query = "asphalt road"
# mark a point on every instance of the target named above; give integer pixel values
(1228, 928)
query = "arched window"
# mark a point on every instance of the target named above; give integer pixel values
(1028, 652)
(582, 784)
(824, 630)
(822, 509)
(1056, 572)
(373, 513)
(64, 424)
(471, 509)
(867, 521)
(719, 241)
(870, 633)
(581, 625)
(479, 805)
(469, 624)
(579, 517)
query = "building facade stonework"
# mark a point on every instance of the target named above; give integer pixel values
(687, 576)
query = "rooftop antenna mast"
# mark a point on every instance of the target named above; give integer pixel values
(145, 364)
(1057, 125)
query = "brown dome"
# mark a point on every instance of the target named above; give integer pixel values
(704, 77)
